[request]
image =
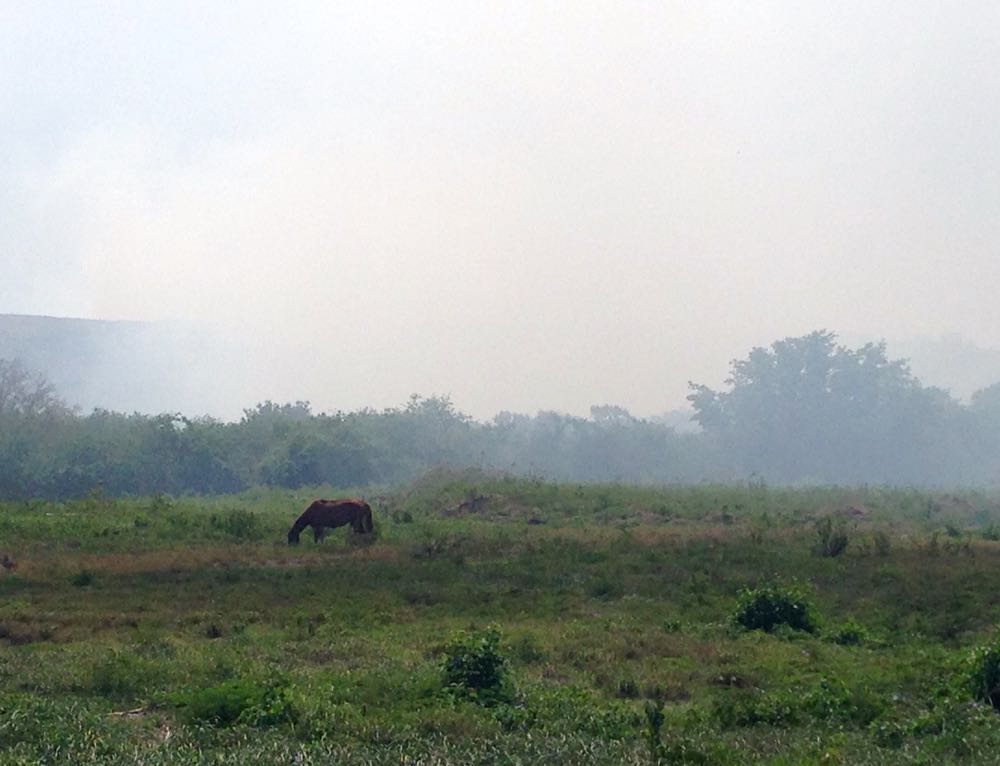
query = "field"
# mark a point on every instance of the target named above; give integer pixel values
(496, 620)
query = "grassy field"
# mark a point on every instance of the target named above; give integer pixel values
(496, 620)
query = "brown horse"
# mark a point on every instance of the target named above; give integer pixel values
(332, 513)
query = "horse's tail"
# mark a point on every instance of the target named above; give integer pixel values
(369, 524)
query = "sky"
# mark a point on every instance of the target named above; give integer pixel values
(523, 206)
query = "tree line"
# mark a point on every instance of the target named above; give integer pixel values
(804, 410)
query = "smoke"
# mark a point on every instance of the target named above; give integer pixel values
(529, 207)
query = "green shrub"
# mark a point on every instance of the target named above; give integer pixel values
(241, 701)
(832, 537)
(672, 625)
(851, 633)
(832, 700)
(474, 666)
(769, 606)
(828, 700)
(749, 708)
(82, 579)
(983, 673)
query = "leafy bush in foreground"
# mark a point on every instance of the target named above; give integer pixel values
(984, 673)
(769, 606)
(475, 666)
(239, 701)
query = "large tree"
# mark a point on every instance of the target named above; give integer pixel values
(809, 409)
(25, 392)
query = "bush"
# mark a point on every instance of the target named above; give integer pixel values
(833, 700)
(983, 673)
(769, 606)
(82, 579)
(474, 666)
(750, 708)
(851, 633)
(832, 537)
(828, 700)
(239, 701)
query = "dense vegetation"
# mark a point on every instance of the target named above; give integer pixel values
(493, 619)
(803, 411)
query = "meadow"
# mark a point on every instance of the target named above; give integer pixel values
(500, 620)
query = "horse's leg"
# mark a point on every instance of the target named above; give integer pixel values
(318, 531)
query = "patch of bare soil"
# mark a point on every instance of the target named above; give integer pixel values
(496, 508)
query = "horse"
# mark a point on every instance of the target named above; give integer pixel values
(332, 513)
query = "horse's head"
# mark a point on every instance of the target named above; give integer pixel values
(293, 536)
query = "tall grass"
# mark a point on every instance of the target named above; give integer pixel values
(608, 602)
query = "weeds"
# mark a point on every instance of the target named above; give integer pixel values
(833, 537)
(238, 524)
(983, 673)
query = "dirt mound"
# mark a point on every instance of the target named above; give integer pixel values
(856, 511)
(497, 508)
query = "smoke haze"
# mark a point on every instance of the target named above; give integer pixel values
(540, 206)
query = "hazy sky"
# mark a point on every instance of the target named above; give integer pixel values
(523, 205)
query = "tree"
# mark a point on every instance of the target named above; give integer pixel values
(984, 410)
(808, 409)
(29, 411)
(24, 392)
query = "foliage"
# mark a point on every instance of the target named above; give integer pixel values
(804, 410)
(244, 701)
(828, 700)
(851, 633)
(768, 606)
(983, 673)
(82, 579)
(26, 392)
(808, 409)
(833, 537)
(475, 666)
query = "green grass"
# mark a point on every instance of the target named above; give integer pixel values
(185, 630)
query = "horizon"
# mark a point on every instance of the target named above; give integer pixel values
(949, 359)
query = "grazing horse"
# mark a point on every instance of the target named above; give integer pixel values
(332, 513)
